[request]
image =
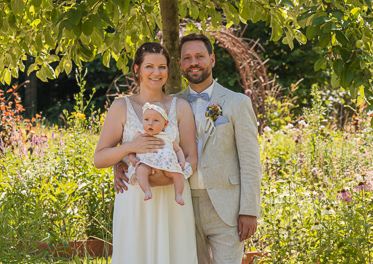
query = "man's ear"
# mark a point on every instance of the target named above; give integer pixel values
(212, 58)
(179, 61)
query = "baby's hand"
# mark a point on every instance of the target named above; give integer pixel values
(182, 165)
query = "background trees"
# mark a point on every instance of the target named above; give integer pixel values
(59, 34)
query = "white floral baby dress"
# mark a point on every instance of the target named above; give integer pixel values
(165, 159)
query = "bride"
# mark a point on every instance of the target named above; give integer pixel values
(157, 231)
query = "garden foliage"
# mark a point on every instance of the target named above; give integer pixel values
(317, 185)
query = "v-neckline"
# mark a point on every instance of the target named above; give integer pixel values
(134, 112)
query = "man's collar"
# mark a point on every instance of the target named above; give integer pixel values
(208, 90)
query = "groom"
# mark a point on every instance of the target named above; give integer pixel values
(226, 185)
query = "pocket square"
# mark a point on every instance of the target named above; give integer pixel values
(221, 121)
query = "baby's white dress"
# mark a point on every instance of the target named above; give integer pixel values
(157, 231)
(165, 159)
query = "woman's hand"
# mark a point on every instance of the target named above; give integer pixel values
(119, 177)
(145, 143)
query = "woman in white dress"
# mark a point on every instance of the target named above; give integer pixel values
(157, 231)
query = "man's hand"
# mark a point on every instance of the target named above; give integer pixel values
(247, 225)
(159, 178)
(119, 176)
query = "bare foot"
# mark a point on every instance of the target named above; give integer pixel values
(148, 195)
(179, 199)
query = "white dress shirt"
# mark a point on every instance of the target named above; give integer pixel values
(199, 110)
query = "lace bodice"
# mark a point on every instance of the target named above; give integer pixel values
(133, 123)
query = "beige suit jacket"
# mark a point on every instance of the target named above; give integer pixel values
(230, 159)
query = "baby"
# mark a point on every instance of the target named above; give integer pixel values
(170, 159)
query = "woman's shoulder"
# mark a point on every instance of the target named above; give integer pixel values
(182, 103)
(119, 103)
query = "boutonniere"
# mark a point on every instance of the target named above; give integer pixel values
(212, 113)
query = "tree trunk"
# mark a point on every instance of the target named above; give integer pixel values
(31, 90)
(170, 30)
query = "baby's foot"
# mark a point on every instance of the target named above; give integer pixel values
(179, 199)
(148, 195)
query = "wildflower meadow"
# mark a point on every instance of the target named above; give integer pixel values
(317, 185)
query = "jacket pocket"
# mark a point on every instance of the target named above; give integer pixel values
(234, 179)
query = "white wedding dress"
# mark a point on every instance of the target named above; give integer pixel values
(157, 231)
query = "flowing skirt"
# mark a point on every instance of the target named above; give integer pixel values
(157, 231)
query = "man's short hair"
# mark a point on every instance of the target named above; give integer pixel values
(196, 36)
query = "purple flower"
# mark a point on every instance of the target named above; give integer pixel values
(53, 135)
(19, 177)
(248, 92)
(363, 185)
(296, 140)
(344, 195)
(268, 140)
(211, 112)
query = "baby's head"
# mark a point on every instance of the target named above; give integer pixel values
(154, 118)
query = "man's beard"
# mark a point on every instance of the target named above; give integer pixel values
(199, 78)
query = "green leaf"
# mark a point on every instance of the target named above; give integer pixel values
(335, 81)
(31, 68)
(7, 76)
(41, 76)
(48, 71)
(74, 15)
(193, 11)
(17, 6)
(300, 37)
(88, 27)
(276, 30)
(312, 31)
(68, 66)
(48, 39)
(319, 64)
(341, 37)
(324, 42)
(338, 66)
(369, 4)
(327, 28)
(319, 20)
(244, 11)
(60, 18)
(91, 3)
(52, 58)
(287, 2)
(346, 54)
(12, 21)
(78, 30)
(106, 59)
(105, 17)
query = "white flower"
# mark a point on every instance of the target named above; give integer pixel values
(303, 123)
(289, 126)
(267, 129)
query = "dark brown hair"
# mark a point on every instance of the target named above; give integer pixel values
(196, 36)
(148, 47)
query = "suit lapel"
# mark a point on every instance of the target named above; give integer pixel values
(217, 97)
(183, 94)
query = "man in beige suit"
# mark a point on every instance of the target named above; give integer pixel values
(226, 185)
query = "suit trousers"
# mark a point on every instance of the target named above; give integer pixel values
(217, 242)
